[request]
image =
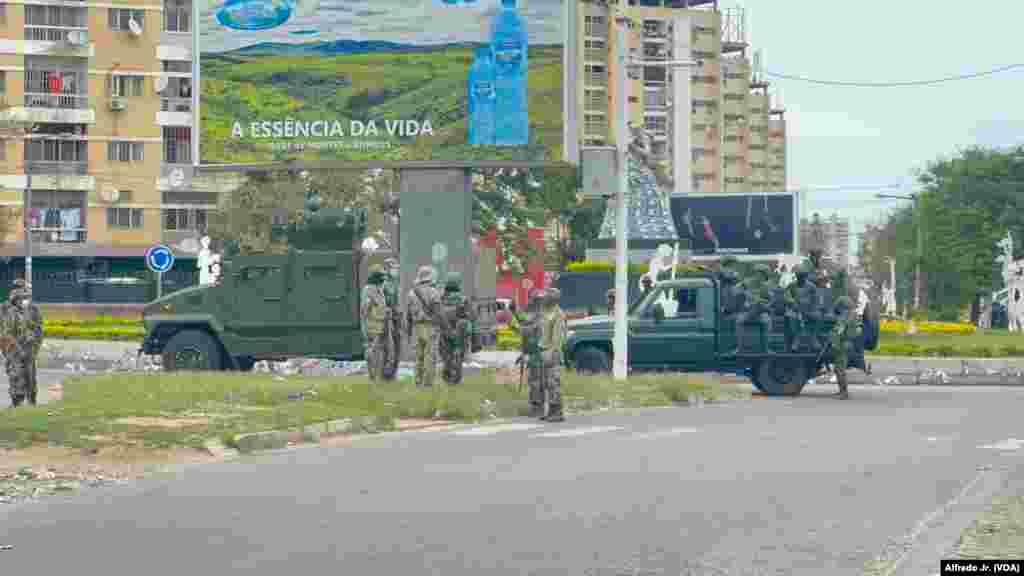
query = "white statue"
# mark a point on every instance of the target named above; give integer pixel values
(862, 301)
(204, 260)
(788, 266)
(214, 269)
(1013, 277)
(888, 301)
(663, 260)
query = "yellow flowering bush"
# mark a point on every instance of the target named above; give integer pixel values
(926, 327)
(604, 266)
(508, 339)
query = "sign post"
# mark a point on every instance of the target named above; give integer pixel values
(159, 259)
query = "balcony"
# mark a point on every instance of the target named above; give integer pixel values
(57, 30)
(657, 98)
(55, 237)
(175, 112)
(57, 168)
(594, 78)
(57, 101)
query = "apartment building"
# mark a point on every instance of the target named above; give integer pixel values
(96, 120)
(736, 138)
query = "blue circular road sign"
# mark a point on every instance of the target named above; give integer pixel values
(159, 258)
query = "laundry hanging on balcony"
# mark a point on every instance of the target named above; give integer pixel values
(55, 83)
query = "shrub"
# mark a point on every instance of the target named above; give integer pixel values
(609, 267)
(926, 327)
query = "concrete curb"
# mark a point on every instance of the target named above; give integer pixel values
(313, 433)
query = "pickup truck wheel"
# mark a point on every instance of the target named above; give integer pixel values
(192, 350)
(590, 360)
(781, 377)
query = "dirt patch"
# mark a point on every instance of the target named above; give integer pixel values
(117, 461)
(509, 377)
(420, 424)
(145, 422)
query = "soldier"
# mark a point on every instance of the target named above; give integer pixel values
(374, 314)
(757, 314)
(845, 330)
(424, 318)
(609, 296)
(457, 329)
(729, 279)
(394, 324)
(794, 319)
(21, 332)
(530, 359)
(552, 338)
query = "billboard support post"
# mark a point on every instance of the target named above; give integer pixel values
(196, 84)
(620, 349)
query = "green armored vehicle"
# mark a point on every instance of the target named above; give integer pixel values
(684, 324)
(304, 303)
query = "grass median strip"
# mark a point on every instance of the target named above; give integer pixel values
(186, 410)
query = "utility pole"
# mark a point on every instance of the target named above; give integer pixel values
(916, 198)
(624, 62)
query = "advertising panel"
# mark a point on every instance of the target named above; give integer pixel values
(740, 224)
(393, 80)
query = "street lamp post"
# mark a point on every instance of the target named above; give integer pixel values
(620, 349)
(920, 241)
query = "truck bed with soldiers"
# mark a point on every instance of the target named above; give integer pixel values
(779, 336)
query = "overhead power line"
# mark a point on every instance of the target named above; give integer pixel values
(896, 84)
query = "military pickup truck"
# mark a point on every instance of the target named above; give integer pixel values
(680, 325)
(304, 303)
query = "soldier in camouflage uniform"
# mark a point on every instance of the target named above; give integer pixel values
(394, 325)
(756, 315)
(423, 315)
(609, 297)
(374, 315)
(530, 331)
(794, 319)
(457, 330)
(552, 339)
(729, 279)
(810, 311)
(21, 334)
(845, 331)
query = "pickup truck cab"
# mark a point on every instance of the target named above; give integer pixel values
(680, 325)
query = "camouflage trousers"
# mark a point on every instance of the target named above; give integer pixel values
(840, 362)
(553, 383)
(425, 335)
(376, 355)
(534, 384)
(452, 357)
(21, 378)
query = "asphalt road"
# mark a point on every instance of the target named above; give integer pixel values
(810, 485)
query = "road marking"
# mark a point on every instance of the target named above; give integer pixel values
(577, 432)
(1010, 444)
(669, 433)
(488, 430)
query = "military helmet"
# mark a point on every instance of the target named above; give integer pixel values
(843, 303)
(425, 274)
(454, 282)
(376, 274)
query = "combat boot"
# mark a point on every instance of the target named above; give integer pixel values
(554, 414)
(843, 394)
(536, 410)
(16, 401)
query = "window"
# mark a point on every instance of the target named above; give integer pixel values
(54, 150)
(3, 13)
(122, 86)
(177, 145)
(119, 18)
(179, 66)
(594, 124)
(52, 23)
(595, 26)
(656, 124)
(595, 50)
(655, 74)
(177, 16)
(185, 219)
(124, 151)
(596, 100)
(3, 83)
(595, 75)
(3, 149)
(124, 218)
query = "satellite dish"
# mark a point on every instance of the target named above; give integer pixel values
(160, 83)
(134, 27)
(110, 194)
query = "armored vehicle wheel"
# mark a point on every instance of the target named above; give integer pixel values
(781, 376)
(245, 363)
(590, 360)
(192, 350)
(872, 326)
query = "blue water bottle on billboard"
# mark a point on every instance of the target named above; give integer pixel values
(481, 98)
(509, 43)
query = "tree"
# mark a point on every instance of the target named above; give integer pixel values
(245, 217)
(967, 203)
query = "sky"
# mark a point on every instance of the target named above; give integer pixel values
(842, 136)
(405, 21)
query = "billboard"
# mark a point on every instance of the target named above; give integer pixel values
(391, 80)
(741, 224)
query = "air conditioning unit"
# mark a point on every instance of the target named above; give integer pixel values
(118, 104)
(134, 27)
(77, 38)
